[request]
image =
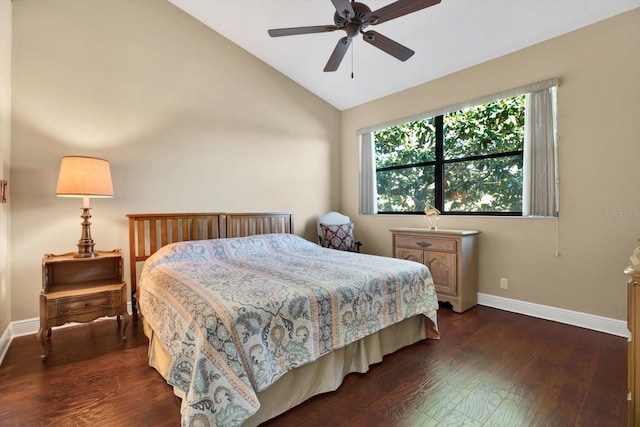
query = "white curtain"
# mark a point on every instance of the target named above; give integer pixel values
(540, 149)
(368, 190)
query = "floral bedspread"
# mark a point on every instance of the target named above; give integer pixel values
(236, 314)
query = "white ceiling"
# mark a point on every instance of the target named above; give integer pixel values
(447, 37)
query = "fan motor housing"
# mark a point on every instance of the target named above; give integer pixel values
(361, 10)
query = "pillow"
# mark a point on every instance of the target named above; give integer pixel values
(338, 236)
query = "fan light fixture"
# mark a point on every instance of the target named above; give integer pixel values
(86, 177)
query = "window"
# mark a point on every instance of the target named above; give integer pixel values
(490, 158)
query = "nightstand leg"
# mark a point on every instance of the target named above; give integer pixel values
(42, 340)
(123, 325)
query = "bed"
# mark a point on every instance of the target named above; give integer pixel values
(247, 320)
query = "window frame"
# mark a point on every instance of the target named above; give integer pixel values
(439, 170)
(540, 166)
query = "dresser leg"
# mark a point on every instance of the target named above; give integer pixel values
(457, 307)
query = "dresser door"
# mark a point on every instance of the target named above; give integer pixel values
(410, 254)
(443, 270)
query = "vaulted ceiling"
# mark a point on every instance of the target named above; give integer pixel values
(446, 37)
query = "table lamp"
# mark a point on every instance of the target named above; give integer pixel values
(84, 177)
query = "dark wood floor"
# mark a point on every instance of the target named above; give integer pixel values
(491, 368)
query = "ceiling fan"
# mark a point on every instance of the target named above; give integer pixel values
(354, 18)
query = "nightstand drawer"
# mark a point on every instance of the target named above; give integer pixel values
(77, 305)
(426, 243)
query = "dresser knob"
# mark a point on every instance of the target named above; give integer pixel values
(423, 244)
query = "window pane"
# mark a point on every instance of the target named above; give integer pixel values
(406, 189)
(497, 127)
(406, 144)
(488, 185)
(478, 162)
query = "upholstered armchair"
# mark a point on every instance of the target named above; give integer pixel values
(335, 231)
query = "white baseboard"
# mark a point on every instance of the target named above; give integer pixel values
(17, 329)
(569, 317)
(24, 327)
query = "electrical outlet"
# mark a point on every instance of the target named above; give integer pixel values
(503, 283)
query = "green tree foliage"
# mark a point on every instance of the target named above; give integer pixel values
(407, 188)
(477, 175)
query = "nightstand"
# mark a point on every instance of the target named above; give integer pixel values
(81, 290)
(452, 258)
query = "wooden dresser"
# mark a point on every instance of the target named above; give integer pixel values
(452, 258)
(633, 349)
(81, 290)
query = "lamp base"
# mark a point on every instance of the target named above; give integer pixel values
(85, 252)
(85, 244)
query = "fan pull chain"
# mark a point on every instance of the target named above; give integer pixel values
(352, 60)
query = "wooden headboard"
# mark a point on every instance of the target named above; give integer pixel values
(150, 232)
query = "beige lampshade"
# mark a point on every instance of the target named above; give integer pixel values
(84, 177)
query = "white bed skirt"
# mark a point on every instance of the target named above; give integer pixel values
(323, 375)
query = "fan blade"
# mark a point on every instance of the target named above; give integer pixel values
(386, 44)
(338, 53)
(398, 9)
(279, 32)
(344, 8)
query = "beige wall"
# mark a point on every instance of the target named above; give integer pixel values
(5, 144)
(599, 150)
(189, 122)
